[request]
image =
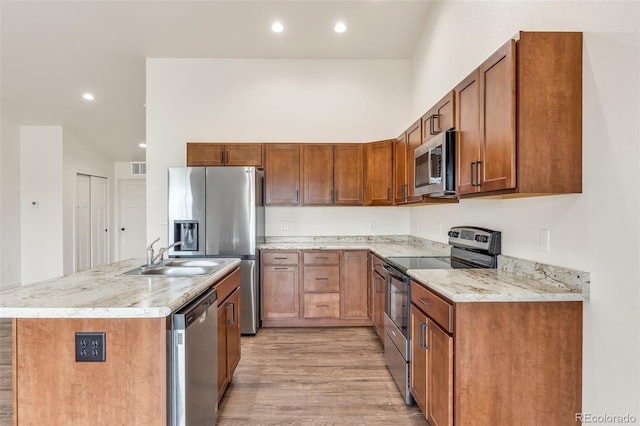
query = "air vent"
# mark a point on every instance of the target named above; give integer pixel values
(139, 168)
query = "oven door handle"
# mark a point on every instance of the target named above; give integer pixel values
(393, 273)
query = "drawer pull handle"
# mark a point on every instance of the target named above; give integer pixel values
(281, 269)
(422, 335)
(322, 279)
(424, 302)
(322, 306)
(281, 258)
(322, 257)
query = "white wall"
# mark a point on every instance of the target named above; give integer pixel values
(46, 245)
(597, 231)
(9, 204)
(273, 101)
(41, 202)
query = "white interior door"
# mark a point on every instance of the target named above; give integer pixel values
(83, 223)
(133, 218)
(99, 221)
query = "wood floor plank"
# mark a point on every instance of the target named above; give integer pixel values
(6, 396)
(314, 376)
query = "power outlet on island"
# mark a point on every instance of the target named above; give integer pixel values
(91, 347)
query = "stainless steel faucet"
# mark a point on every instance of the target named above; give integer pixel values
(161, 252)
(150, 254)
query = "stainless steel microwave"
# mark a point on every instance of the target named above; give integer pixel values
(435, 166)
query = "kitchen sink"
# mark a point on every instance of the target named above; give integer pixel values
(173, 271)
(207, 263)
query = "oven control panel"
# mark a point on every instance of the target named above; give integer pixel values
(475, 238)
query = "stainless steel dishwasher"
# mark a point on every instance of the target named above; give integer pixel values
(194, 363)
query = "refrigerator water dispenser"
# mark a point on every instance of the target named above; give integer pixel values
(187, 232)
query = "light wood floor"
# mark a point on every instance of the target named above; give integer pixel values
(5, 373)
(314, 376)
(300, 376)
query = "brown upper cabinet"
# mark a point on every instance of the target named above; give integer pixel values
(333, 174)
(216, 154)
(282, 174)
(403, 164)
(379, 173)
(519, 119)
(440, 118)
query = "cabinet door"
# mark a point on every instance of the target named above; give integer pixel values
(282, 174)
(354, 284)
(317, 174)
(440, 376)
(414, 140)
(223, 377)
(468, 138)
(379, 173)
(418, 369)
(280, 296)
(440, 118)
(232, 309)
(497, 166)
(349, 174)
(243, 154)
(205, 154)
(400, 169)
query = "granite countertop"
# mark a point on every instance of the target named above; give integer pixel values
(103, 293)
(492, 285)
(515, 280)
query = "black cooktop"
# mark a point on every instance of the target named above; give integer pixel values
(445, 262)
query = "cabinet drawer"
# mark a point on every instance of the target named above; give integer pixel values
(280, 258)
(322, 305)
(227, 286)
(434, 306)
(322, 278)
(321, 257)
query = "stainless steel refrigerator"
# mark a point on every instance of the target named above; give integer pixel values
(219, 212)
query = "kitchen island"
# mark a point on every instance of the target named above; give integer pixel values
(130, 387)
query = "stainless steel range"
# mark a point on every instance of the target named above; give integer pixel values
(472, 247)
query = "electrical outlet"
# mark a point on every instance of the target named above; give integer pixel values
(285, 225)
(91, 347)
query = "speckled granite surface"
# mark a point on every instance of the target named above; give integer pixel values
(103, 293)
(514, 280)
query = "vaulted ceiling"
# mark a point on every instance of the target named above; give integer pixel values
(54, 51)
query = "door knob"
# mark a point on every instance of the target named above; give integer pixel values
(122, 229)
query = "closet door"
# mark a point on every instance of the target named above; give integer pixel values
(83, 223)
(99, 221)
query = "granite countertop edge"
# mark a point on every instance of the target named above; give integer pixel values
(104, 293)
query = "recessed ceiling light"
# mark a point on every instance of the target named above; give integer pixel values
(277, 27)
(88, 96)
(142, 145)
(340, 27)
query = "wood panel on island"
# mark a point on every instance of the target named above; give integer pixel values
(333, 290)
(228, 330)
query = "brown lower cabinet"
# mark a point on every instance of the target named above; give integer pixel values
(228, 330)
(377, 294)
(314, 288)
(495, 363)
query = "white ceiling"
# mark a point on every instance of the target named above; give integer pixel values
(54, 51)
